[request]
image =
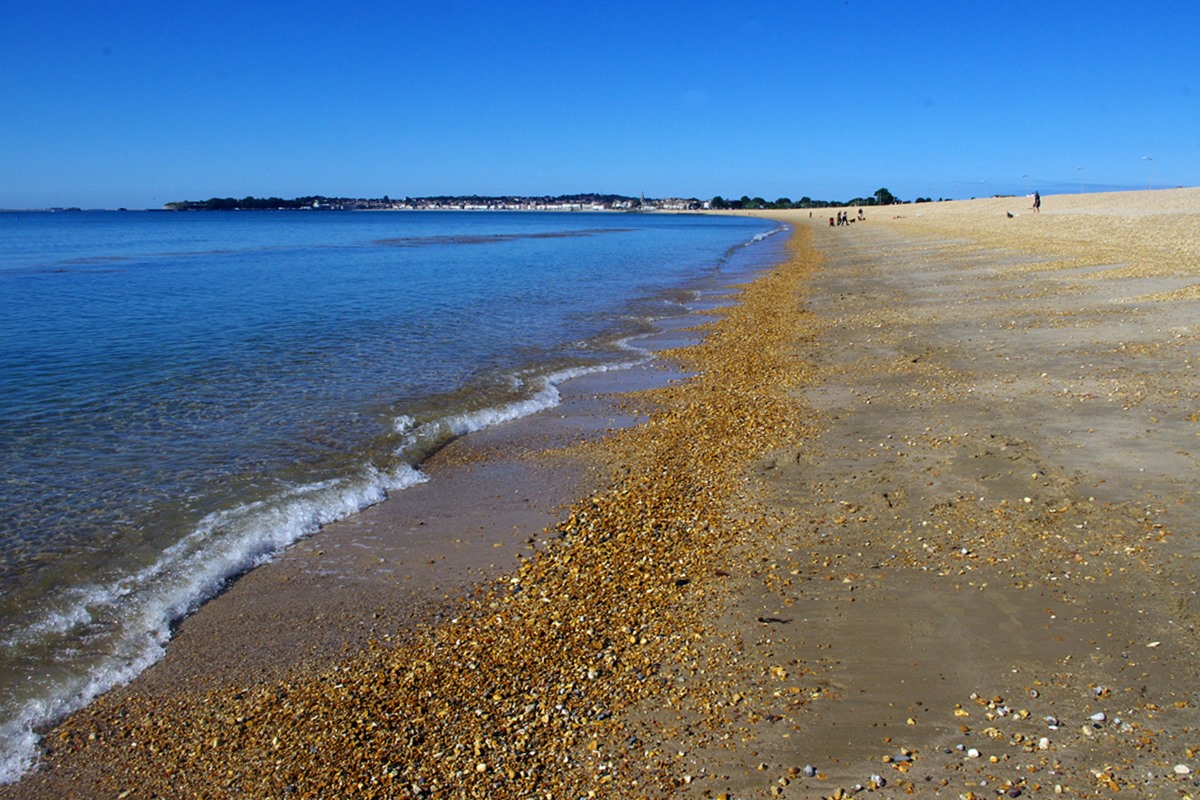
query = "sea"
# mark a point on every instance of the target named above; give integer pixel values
(185, 394)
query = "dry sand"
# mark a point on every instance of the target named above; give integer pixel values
(922, 522)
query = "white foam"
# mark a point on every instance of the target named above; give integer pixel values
(758, 237)
(423, 439)
(142, 606)
(135, 612)
(18, 746)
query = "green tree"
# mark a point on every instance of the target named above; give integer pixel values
(884, 198)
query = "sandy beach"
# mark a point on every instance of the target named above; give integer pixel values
(917, 516)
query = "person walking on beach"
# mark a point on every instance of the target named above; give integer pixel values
(1037, 203)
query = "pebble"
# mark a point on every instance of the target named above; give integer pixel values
(499, 741)
(484, 707)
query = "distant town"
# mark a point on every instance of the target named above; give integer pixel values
(573, 202)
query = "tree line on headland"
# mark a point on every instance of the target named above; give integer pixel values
(881, 197)
(546, 202)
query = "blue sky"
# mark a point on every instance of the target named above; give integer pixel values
(137, 104)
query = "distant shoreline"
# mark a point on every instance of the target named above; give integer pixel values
(571, 202)
(566, 202)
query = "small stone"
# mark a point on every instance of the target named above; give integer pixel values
(972, 753)
(1183, 769)
(810, 771)
(1098, 717)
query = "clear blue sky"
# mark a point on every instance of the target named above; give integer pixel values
(138, 103)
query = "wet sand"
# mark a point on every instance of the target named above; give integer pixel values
(922, 521)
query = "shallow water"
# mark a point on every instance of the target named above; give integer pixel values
(184, 394)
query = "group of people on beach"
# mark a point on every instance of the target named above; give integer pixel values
(844, 218)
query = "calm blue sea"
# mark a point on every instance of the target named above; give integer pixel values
(184, 394)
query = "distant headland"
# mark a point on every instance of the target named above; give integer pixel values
(572, 202)
(569, 202)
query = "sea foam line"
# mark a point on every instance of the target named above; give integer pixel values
(224, 544)
(423, 439)
(136, 611)
(758, 237)
(753, 240)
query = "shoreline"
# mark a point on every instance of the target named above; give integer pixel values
(98, 771)
(928, 489)
(410, 559)
(353, 459)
